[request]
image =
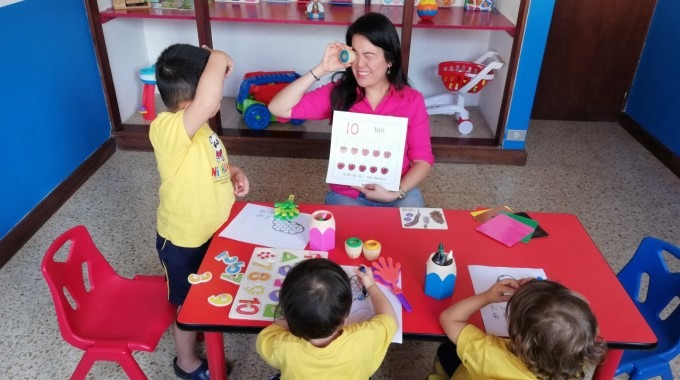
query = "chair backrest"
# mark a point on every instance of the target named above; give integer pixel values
(74, 282)
(662, 287)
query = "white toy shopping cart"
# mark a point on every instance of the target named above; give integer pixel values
(459, 78)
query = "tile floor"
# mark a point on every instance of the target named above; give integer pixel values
(620, 192)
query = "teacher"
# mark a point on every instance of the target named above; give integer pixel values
(375, 84)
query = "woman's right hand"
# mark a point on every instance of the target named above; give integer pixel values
(331, 58)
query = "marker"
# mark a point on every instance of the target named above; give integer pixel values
(439, 257)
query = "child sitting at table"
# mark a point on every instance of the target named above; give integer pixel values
(312, 340)
(553, 335)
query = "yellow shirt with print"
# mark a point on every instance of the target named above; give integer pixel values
(356, 354)
(196, 193)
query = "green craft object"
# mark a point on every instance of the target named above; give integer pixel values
(287, 210)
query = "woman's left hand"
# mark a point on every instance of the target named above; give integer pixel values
(375, 192)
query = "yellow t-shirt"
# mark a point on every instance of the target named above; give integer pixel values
(196, 193)
(486, 357)
(356, 354)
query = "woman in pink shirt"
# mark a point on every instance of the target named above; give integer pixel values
(374, 83)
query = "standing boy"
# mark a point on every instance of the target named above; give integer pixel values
(198, 185)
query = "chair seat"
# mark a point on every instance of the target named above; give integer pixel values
(134, 322)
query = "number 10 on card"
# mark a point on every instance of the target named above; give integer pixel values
(366, 149)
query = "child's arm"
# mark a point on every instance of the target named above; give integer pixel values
(284, 101)
(240, 181)
(455, 317)
(381, 304)
(208, 96)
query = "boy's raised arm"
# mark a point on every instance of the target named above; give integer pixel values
(208, 97)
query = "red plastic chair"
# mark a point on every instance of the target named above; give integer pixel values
(100, 312)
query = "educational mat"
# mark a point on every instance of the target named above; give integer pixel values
(423, 218)
(258, 294)
(366, 149)
(483, 277)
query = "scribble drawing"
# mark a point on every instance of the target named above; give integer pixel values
(505, 277)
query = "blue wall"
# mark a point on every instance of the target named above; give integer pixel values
(53, 108)
(528, 68)
(654, 100)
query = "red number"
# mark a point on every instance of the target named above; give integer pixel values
(248, 307)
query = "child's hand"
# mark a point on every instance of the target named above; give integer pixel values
(501, 291)
(229, 62)
(240, 182)
(366, 278)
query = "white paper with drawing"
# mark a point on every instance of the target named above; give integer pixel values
(366, 149)
(362, 307)
(483, 277)
(256, 225)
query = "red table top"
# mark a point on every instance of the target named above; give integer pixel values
(568, 255)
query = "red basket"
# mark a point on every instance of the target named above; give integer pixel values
(456, 74)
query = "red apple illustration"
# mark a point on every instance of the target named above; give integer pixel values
(365, 152)
(343, 149)
(387, 154)
(355, 150)
(351, 167)
(373, 169)
(362, 168)
(341, 165)
(383, 170)
(376, 153)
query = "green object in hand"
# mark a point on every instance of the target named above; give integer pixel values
(286, 210)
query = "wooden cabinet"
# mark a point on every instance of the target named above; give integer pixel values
(217, 23)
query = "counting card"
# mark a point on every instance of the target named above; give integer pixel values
(366, 149)
(258, 293)
(423, 218)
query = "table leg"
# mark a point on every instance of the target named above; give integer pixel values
(214, 345)
(607, 370)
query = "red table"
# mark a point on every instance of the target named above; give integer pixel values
(568, 255)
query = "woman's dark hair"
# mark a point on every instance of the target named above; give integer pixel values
(553, 331)
(178, 69)
(315, 298)
(380, 31)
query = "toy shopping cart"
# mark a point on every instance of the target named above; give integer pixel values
(461, 77)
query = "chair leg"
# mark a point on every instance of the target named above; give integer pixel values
(122, 356)
(663, 370)
(84, 366)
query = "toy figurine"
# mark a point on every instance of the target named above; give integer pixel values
(315, 10)
(440, 278)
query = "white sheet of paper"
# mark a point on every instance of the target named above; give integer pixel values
(256, 224)
(362, 310)
(4, 3)
(483, 277)
(366, 149)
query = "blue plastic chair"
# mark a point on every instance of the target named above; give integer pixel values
(662, 288)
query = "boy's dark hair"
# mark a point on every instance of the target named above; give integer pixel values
(315, 298)
(178, 69)
(553, 331)
(380, 31)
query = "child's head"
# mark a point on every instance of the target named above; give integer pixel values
(178, 69)
(552, 330)
(315, 298)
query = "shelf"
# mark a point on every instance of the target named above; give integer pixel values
(294, 13)
(173, 14)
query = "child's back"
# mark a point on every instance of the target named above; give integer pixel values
(313, 342)
(552, 335)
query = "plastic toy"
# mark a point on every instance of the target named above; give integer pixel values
(387, 273)
(479, 5)
(347, 56)
(459, 78)
(286, 210)
(427, 9)
(148, 77)
(256, 91)
(440, 279)
(315, 10)
(322, 231)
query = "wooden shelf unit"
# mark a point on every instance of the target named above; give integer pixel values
(314, 145)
